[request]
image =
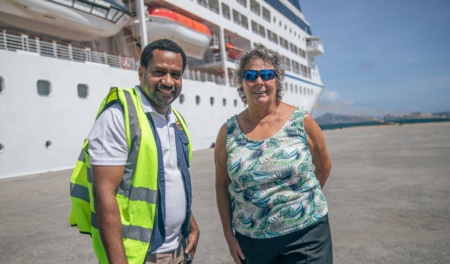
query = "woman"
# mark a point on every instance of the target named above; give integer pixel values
(268, 195)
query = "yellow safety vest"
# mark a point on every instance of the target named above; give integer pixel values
(137, 194)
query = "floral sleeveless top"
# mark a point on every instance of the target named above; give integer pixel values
(273, 187)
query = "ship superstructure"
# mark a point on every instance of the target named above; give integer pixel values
(59, 58)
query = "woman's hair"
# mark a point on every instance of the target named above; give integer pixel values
(269, 56)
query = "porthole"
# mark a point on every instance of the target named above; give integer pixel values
(2, 148)
(83, 90)
(224, 101)
(48, 144)
(235, 102)
(43, 88)
(211, 100)
(2, 85)
(181, 98)
(197, 100)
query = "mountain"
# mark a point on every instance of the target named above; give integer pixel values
(329, 118)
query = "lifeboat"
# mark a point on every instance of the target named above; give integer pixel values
(72, 20)
(233, 52)
(193, 36)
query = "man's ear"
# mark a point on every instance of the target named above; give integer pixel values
(141, 71)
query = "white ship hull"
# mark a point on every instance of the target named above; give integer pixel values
(29, 121)
(40, 133)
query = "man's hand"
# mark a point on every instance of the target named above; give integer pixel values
(194, 235)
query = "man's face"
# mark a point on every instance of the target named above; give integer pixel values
(161, 81)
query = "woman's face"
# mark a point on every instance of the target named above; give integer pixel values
(259, 91)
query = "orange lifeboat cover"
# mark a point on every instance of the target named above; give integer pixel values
(180, 19)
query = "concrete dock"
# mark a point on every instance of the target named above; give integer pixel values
(388, 196)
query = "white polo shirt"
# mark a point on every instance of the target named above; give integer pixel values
(108, 147)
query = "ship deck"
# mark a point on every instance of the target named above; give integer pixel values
(387, 193)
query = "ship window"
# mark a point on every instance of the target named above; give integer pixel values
(43, 87)
(291, 87)
(284, 43)
(272, 36)
(197, 99)
(235, 102)
(112, 14)
(296, 67)
(224, 101)
(48, 144)
(203, 2)
(211, 100)
(254, 27)
(240, 19)
(302, 53)
(242, 2)
(262, 31)
(181, 98)
(214, 6)
(2, 86)
(258, 29)
(2, 148)
(266, 14)
(83, 90)
(294, 48)
(82, 6)
(226, 11)
(100, 11)
(255, 7)
(287, 63)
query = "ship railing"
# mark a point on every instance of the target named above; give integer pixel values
(203, 77)
(17, 42)
(14, 41)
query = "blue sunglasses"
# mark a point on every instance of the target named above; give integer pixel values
(252, 75)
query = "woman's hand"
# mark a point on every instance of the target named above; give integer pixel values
(235, 250)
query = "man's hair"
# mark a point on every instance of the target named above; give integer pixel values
(269, 56)
(161, 44)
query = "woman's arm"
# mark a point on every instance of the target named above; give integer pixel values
(223, 198)
(318, 148)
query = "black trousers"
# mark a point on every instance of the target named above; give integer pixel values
(311, 245)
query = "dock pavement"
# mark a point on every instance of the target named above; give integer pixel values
(388, 196)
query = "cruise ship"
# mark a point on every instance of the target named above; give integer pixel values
(59, 58)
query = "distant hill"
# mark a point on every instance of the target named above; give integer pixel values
(330, 118)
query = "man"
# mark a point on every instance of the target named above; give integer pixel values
(138, 152)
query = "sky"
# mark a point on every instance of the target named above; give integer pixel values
(382, 56)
